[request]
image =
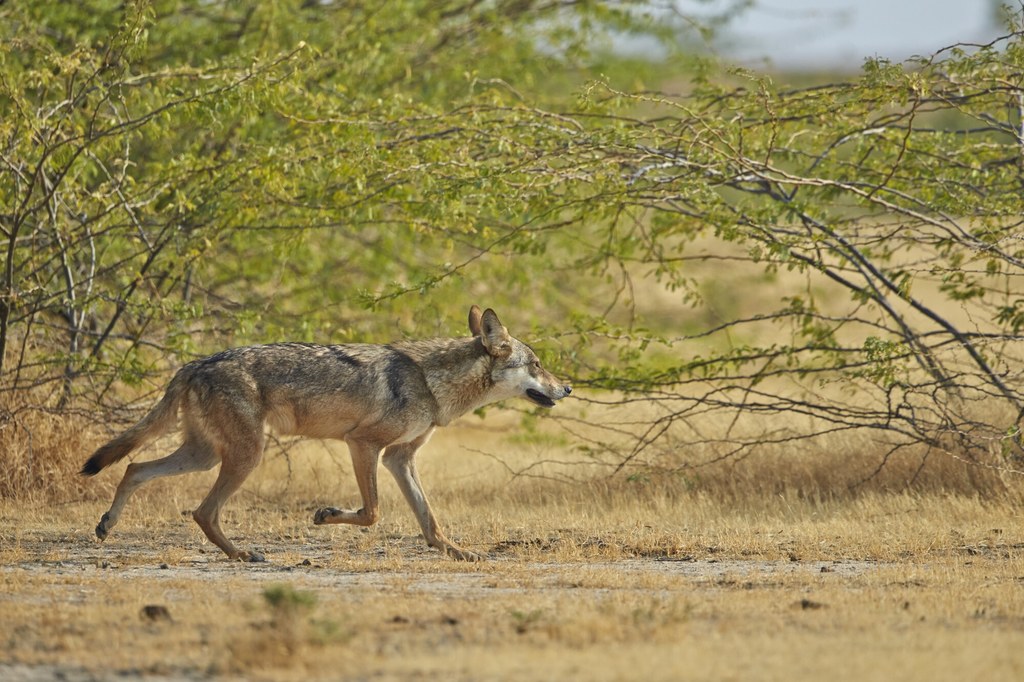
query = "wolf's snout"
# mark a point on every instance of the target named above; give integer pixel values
(567, 389)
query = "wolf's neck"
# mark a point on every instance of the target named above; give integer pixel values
(457, 372)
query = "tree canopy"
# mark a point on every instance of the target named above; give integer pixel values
(180, 175)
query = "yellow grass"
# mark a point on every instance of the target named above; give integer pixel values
(736, 577)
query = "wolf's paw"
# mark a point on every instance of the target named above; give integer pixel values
(462, 554)
(324, 515)
(103, 527)
(246, 557)
(249, 557)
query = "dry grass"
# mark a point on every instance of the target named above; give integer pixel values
(42, 450)
(740, 575)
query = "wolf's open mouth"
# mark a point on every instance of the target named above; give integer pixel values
(539, 398)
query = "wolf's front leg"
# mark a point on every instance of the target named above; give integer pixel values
(399, 461)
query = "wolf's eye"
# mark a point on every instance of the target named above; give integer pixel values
(536, 364)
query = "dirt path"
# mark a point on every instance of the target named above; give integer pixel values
(381, 606)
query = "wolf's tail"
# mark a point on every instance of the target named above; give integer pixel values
(160, 419)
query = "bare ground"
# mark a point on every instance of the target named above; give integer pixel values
(160, 604)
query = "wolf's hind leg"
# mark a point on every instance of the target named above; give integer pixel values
(364, 462)
(190, 457)
(236, 465)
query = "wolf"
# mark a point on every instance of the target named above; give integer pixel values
(376, 398)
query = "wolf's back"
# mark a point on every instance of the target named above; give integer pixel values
(160, 419)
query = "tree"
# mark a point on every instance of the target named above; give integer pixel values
(178, 176)
(884, 212)
(164, 164)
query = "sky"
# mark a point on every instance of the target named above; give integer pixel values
(840, 34)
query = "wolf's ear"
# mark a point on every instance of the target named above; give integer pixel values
(474, 320)
(494, 335)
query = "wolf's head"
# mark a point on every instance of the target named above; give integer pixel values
(515, 369)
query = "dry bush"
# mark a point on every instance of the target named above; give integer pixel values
(733, 454)
(43, 452)
(816, 471)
